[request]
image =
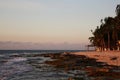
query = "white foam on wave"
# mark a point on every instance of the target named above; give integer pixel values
(1, 55)
(13, 66)
(18, 59)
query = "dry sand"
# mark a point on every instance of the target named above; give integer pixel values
(103, 56)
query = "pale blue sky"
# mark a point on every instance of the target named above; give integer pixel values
(52, 21)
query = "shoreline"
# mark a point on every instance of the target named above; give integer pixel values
(110, 57)
(66, 66)
(91, 63)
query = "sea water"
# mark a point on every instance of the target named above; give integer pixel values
(14, 66)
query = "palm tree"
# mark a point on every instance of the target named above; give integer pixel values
(98, 38)
(108, 34)
(107, 27)
(117, 24)
(95, 38)
(118, 10)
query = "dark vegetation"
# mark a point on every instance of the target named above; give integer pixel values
(107, 35)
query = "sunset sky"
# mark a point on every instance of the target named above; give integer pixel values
(51, 24)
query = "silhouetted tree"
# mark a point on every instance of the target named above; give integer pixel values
(108, 34)
(118, 10)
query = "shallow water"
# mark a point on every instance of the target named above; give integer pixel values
(19, 68)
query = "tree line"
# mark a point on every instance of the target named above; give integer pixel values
(107, 35)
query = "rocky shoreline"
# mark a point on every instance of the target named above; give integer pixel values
(81, 65)
(56, 66)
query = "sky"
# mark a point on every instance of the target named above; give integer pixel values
(51, 24)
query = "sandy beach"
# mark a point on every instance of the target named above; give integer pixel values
(110, 57)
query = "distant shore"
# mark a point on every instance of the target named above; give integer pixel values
(110, 57)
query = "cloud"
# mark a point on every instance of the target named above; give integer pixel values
(8, 45)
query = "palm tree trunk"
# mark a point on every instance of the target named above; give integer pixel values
(108, 41)
(103, 44)
(116, 37)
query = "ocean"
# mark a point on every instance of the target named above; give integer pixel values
(19, 65)
(37, 51)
